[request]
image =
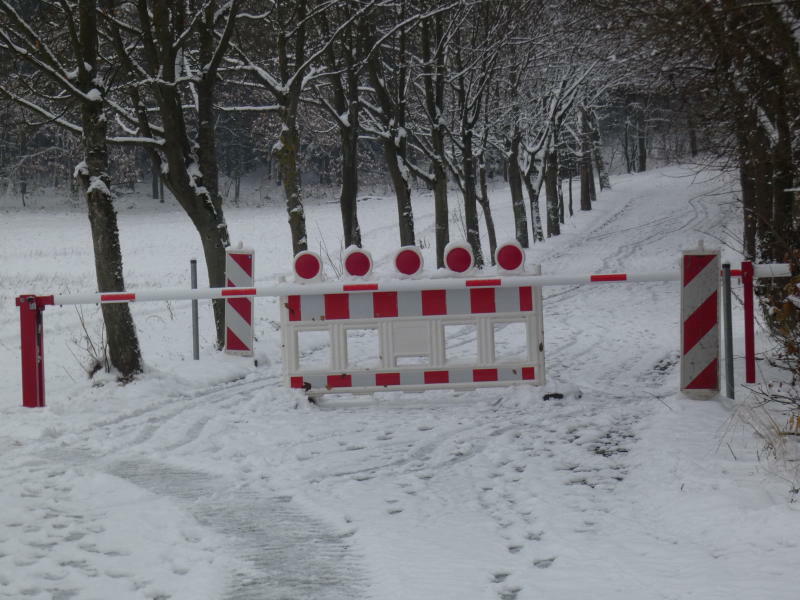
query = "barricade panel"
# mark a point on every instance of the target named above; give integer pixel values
(413, 340)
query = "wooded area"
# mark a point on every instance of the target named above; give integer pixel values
(443, 95)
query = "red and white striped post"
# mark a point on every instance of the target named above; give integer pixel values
(700, 332)
(239, 338)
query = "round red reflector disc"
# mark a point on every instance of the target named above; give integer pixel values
(307, 266)
(509, 257)
(357, 263)
(458, 259)
(407, 262)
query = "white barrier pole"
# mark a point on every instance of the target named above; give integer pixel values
(398, 285)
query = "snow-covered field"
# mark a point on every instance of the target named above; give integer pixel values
(202, 480)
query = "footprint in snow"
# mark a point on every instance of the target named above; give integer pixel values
(509, 593)
(544, 563)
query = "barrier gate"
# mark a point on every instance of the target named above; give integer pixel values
(409, 321)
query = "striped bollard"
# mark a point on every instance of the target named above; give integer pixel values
(700, 332)
(239, 311)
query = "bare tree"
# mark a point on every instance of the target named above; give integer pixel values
(172, 52)
(74, 75)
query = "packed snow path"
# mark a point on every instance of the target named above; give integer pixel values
(205, 481)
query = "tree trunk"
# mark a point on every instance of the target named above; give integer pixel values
(783, 180)
(641, 141)
(597, 150)
(517, 200)
(442, 215)
(692, 139)
(470, 198)
(551, 192)
(748, 208)
(587, 178)
(533, 198)
(123, 343)
(626, 146)
(402, 190)
(348, 200)
(156, 179)
(286, 153)
(487, 209)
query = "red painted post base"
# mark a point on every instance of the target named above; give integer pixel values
(32, 346)
(749, 323)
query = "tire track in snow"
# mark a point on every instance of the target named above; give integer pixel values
(287, 553)
(284, 552)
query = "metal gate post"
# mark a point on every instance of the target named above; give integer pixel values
(32, 346)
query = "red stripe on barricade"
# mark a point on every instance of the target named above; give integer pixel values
(337, 306)
(736, 272)
(359, 287)
(229, 283)
(693, 264)
(481, 300)
(609, 277)
(244, 260)
(434, 302)
(526, 298)
(340, 381)
(117, 297)
(387, 378)
(297, 383)
(528, 373)
(700, 323)
(436, 377)
(293, 306)
(484, 374)
(483, 282)
(708, 379)
(384, 304)
(232, 342)
(239, 292)
(243, 306)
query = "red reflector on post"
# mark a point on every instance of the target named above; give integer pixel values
(408, 261)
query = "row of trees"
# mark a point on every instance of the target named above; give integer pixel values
(445, 92)
(736, 65)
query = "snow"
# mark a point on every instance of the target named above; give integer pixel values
(97, 184)
(209, 480)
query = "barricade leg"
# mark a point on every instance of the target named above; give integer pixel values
(700, 332)
(32, 347)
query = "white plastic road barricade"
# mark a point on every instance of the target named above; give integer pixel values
(239, 338)
(409, 329)
(700, 331)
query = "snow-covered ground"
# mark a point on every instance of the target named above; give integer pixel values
(202, 480)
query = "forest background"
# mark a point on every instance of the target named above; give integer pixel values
(191, 96)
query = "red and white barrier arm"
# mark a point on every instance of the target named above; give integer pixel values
(398, 285)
